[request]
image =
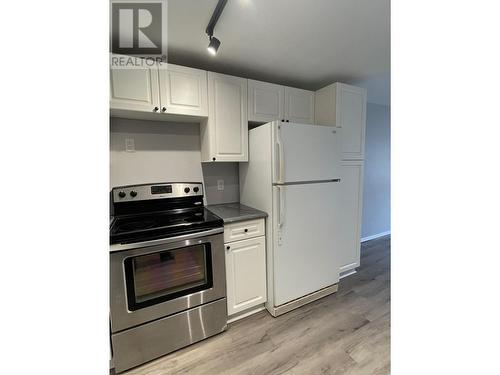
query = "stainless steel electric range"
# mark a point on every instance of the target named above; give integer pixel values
(167, 271)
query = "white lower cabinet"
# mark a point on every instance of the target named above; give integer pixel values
(243, 230)
(245, 274)
(351, 210)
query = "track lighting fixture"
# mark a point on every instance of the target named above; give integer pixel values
(214, 43)
(213, 46)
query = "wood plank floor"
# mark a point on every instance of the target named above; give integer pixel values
(344, 333)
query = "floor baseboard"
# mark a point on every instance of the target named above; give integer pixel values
(368, 238)
(347, 273)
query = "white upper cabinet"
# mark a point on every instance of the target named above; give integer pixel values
(159, 92)
(224, 136)
(135, 89)
(266, 101)
(344, 106)
(299, 106)
(167, 92)
(183, 91)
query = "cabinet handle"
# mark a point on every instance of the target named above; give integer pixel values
(164, 109)
(213, 159)
(155, 109)
(287, 120)
(282, 120)
(246, 230)
(228, 247)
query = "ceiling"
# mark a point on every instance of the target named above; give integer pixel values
(301, 43)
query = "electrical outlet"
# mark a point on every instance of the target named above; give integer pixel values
(129, 144)
(220, 184)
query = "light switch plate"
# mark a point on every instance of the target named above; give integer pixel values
(129, 144)
(220, 184)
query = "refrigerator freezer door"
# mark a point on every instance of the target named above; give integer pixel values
(305, 153)
(305, 239)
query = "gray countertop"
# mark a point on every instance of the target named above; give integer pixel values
(234, 212)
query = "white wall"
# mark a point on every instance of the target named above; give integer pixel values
(229, 172)
(377, 173)
(167, 152)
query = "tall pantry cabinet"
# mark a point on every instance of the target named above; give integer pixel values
(344, 106)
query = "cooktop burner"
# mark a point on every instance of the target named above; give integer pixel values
(154, 211)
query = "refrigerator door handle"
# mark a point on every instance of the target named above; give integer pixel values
(280, 207)
(277, 168)
(281, 157)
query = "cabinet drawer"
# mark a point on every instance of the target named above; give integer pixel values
(243, 230)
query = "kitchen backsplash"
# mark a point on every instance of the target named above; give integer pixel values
(167, 152)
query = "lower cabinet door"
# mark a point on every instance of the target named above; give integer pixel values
(246, 274)
(352, 206)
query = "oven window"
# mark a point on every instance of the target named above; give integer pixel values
(162, 276)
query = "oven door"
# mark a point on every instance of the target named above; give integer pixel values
(154, 279)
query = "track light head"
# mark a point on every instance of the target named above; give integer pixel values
(214, 43)
(213, 46)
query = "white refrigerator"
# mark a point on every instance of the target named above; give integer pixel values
(293, 174)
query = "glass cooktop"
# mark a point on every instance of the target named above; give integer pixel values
(144, 227)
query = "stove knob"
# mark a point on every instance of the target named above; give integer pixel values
(187, 190)
(133, 193)
(196, 189)
(121, 194)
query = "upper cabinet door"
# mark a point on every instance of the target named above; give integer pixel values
(183, 90)
(344, 106)
(265, 101)
(135, 89)
(299, 105)
(227, 118)
(351, 117)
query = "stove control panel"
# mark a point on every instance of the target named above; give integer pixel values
(160, 190)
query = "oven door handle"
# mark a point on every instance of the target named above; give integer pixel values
(161, 241)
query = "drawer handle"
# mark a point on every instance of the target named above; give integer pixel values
(246, 230)
(228, 247)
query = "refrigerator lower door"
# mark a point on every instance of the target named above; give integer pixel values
(305, 239)
(305, 152)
